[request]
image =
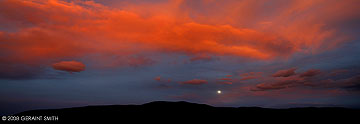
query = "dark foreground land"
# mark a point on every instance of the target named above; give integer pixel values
(183, 111)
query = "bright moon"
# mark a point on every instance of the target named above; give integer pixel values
(219, 91)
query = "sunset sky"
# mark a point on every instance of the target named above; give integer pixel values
(265, 53)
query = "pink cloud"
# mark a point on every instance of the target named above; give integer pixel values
(228, 76)
(225, 82)
(195, 82)
(225, 79)
(250, 75)
(285, 73)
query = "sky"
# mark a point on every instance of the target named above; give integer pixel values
(265, 53)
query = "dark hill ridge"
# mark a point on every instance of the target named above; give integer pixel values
(184, 110)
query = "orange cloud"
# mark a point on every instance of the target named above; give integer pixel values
(56, 29)
(69, 66)
(158, 78)
(194, 82)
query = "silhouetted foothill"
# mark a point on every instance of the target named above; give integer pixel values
(188, 111)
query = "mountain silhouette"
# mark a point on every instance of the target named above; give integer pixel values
(180, 111)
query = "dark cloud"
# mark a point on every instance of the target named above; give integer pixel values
(69, 66)
(19, 71)
(339, 72)
(301, 105)
(285, 73)
(352, 83)
(307, 79)
(282, 83)
(310, 73)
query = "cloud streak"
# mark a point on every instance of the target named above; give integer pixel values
(285, 73)
(69, 66)
(310, 78)
(194, 82)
